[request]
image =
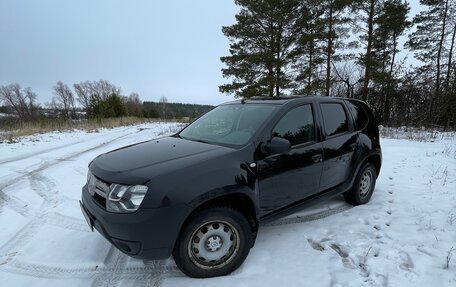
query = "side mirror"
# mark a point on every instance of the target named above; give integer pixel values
(276, 145)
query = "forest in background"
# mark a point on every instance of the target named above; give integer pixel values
(348, 48)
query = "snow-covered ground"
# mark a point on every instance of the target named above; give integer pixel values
(401, 238)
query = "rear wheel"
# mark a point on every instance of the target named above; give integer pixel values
(214, 242)
(363, 187)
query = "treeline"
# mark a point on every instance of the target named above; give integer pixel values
(348, 48)
(176, 110)
(90, 99)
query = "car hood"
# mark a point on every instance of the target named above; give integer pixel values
(120, 165)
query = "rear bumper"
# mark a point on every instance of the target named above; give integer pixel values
(145, 234)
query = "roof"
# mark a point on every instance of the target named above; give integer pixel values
(280, 100)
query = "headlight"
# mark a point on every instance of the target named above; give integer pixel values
(125, 198)
(91, 183)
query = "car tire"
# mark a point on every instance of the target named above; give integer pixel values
(213, 242)
(363, 186)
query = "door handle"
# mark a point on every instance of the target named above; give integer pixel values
(317, 158)
(353, 146)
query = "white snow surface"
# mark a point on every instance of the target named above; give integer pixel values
(402, 237)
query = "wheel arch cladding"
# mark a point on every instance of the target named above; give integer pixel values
(376, 161)
(237, 201)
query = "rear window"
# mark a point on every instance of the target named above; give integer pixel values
(359, 114)
(334, 118)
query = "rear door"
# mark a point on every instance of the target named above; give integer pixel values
(340, 142)
(284, 179)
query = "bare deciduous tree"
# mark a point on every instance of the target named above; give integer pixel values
(346, 76)
(104, 89)
(133, 104)
(163, 102)
(83, 92)
(100, 90)
(65, 98)
(22, 101)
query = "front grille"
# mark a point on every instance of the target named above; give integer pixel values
(98, 189)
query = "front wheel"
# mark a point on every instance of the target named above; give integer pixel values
(214, 242)
(363, 187)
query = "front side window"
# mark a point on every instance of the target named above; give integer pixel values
(233, 124)
(334, 119)
(297, 126)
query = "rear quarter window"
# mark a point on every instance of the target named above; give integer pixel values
(359, 114)
(334, 118)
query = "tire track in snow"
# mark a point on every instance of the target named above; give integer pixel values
(113, 279)
(48, 150)
(21, 237)
(116, 270)
(46, 164)
(101, 275)
(68, 222)
(152, 274)
(33, 154)
(149, 275)
(111, 275)
(46, 189)
(15, 204)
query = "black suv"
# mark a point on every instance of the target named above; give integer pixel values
(200, 194)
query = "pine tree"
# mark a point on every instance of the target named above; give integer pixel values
(110, 107)
(262, 40)
(450, 58)
(390, 23)
(308, 54)
(322, 30)
(335, 20)
(449, 102)
(429, 42)
(367, 11)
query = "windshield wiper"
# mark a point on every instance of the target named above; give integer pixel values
(190, 139)
(200, 141)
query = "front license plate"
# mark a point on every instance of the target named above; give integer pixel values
(86, 216)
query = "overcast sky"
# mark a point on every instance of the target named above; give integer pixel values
(155, 48)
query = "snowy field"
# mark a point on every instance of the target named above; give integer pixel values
(403, 237)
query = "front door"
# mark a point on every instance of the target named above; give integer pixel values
(284, 179)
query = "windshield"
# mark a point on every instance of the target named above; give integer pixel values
(228, 124)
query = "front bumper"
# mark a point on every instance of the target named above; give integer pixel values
(145, 233)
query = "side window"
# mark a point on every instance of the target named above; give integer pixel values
(334, 118)
(359, 114)
(297, 126)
